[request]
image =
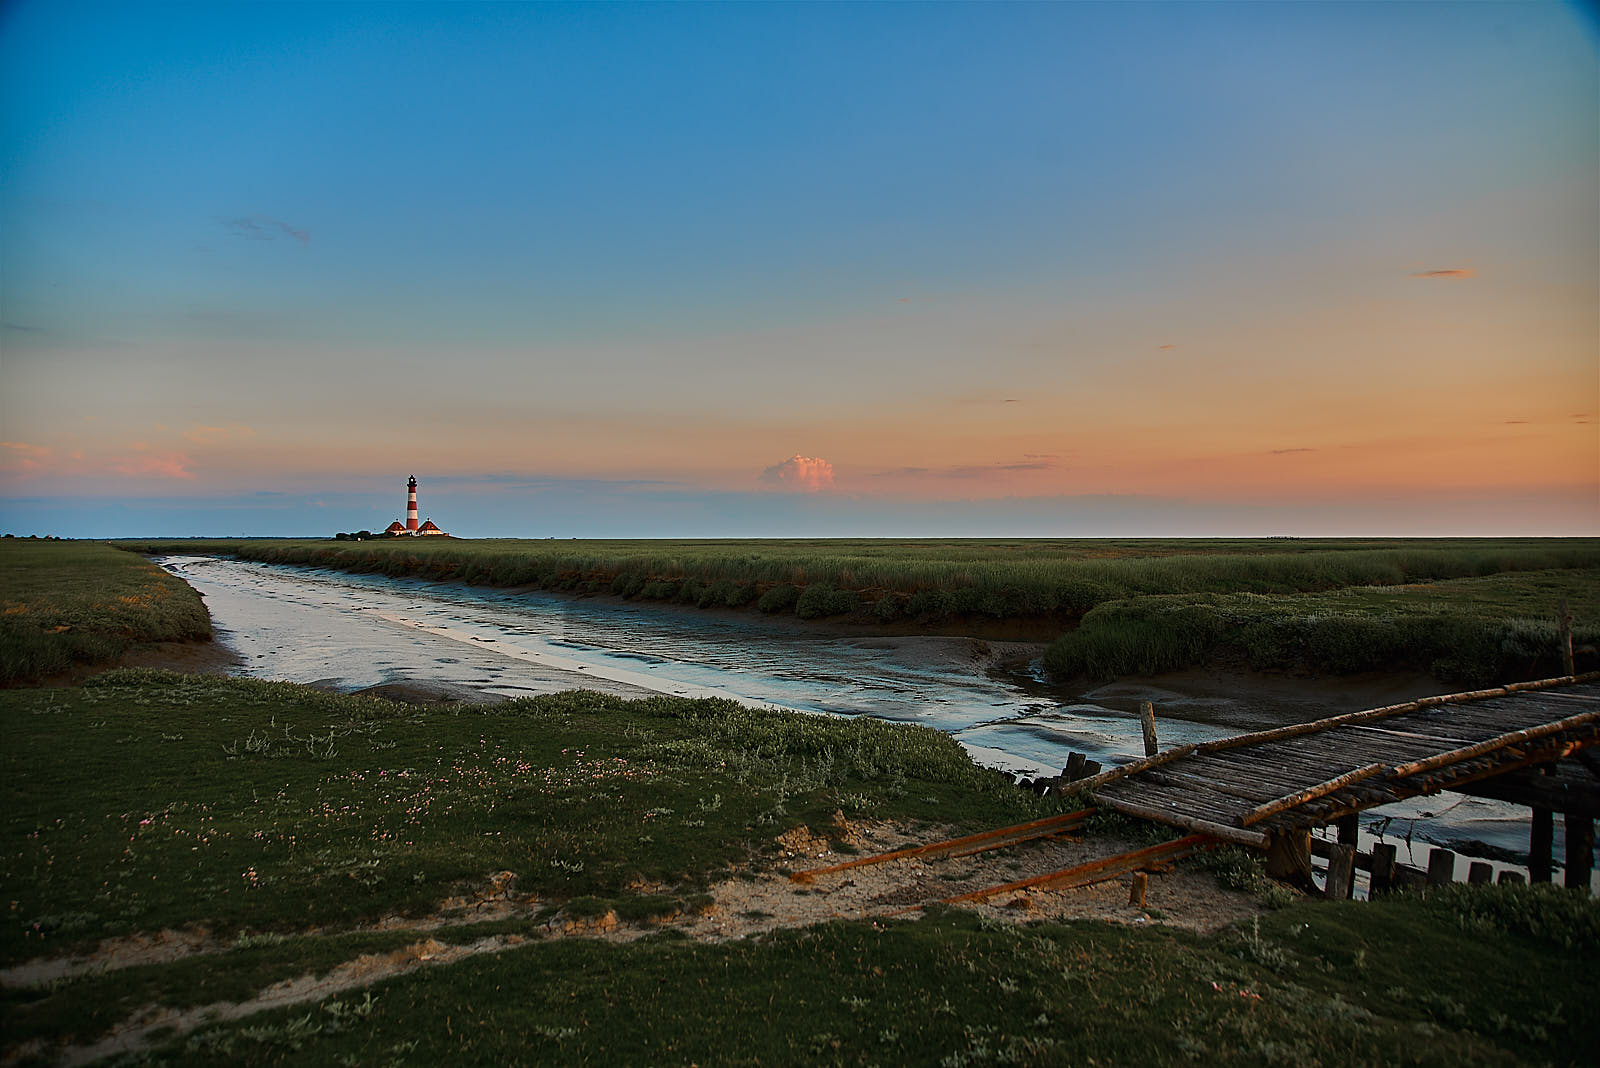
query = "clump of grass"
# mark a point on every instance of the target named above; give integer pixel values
(821, 599)
(1543, 913)
(64, 604)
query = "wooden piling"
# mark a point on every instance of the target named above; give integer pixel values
(1540, 837)
(1341, 873)
(1580, 850)
(1091, 768)
(1074, 769)
(1349, 835)
(1137, 889)
(1441, 866)
(1480, 873)
(1408, 878)
(1289, 857)
(1564, 636)
(1383, 864)
(1147, 721)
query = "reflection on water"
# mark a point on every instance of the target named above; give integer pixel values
(355, 631)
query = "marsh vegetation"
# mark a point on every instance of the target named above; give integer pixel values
(65, 604)
(1467, 610)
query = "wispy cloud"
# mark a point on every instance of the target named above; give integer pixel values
(260, 227)
(809, 474)
(21, 457)
(1166, 348)
(154, 465)
(213, 435)
(1446, 272)
(1285, 452)
(23, 328)
(1029, 462)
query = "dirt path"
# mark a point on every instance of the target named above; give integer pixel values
(748, 905)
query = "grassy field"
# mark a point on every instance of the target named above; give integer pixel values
(1469, 610)
(246, 805)
(1485, 629)
(284, 821)
(1311, 985)
(70, 603)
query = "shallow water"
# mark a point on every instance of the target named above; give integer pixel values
(350, 632)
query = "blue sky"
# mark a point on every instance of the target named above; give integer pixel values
(976, 268)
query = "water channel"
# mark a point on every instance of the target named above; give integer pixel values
(355, 632)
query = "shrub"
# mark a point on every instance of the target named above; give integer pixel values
(821, 600)
(780, 598)
(889, 607)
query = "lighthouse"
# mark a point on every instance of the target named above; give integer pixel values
(411, 504)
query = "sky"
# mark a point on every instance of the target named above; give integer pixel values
(772, 270)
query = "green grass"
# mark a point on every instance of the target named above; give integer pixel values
(1312, 984)
(69, 603)
(922, 581)
(1493, 628)
(285, 820)
(147, 799)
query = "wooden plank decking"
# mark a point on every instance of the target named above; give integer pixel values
(1246, 788)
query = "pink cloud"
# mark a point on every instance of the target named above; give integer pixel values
(22, 457)
(164, 465)
(1446, 272)
(809, 474)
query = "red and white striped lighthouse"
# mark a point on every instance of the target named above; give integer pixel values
(411, 504)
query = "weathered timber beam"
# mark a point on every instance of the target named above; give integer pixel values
(1385, 712)
(1310, 793)
(1080, 785)
(1236, 835)
(1096, 870)
(1455, 756)
(1004, 836)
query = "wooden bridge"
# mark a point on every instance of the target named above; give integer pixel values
(1268, 789)
(1525, 743)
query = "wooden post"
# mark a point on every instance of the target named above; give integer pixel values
(1289, 857)
(1382, 869)
(1147, 720)
(1349, 835)
(1540, 837)
(1510, 878)
(1408, 878)
(1480, 873)
(1580, 850)
(1564, 636)
(1441, 866)
(1136, 889)
(1091, 768)
(1074, 769)
(1341, 873)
